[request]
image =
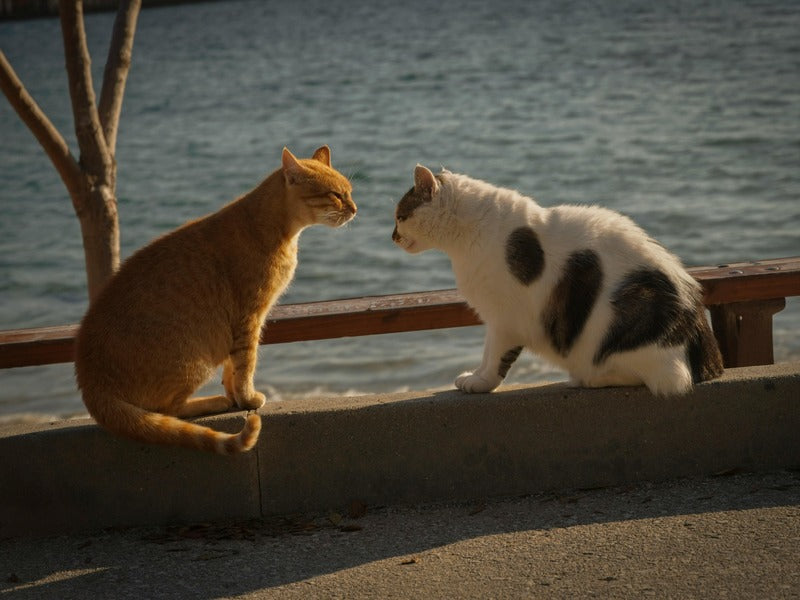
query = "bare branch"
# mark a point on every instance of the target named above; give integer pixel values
(42, 128)
(95, 157)
(116, 71)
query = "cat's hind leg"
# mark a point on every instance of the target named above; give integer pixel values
(668, 373)
(499, 353)
(662, 369)
(181, 403)
(204, 405)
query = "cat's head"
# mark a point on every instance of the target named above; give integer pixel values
(415, 216)
(317, 193)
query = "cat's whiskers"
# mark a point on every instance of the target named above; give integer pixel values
(337, 217)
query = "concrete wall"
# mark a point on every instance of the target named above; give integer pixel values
(318, 455)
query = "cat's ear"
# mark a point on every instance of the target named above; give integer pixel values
(424, 181)
(323, 155)
(292, 169)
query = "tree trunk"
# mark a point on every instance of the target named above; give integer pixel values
(96, 203)
(91, 181)
(100, 232)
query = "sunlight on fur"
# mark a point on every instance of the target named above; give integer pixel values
(197, 298)
(583, 287)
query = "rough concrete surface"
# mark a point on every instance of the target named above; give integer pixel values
(401, 449)
(730, 536)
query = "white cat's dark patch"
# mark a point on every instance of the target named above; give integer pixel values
(507, 360)
(572, 300)
(650, 305)
(702, 351)
(409, 203)
(524, 255)
(647, 310)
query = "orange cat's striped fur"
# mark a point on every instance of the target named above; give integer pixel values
(197, 298)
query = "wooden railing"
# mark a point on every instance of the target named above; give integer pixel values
(741, 297)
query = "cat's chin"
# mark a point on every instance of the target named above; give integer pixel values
(409, 246)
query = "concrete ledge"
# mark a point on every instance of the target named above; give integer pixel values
(317, 455)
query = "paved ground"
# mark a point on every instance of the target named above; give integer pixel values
(730, 536)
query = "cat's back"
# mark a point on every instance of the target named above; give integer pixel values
(592, 226)
(153, 275)
(620, 244)
(162, 294)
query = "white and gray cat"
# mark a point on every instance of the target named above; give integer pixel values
(583, 287)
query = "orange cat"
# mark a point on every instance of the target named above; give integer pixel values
(197, 298)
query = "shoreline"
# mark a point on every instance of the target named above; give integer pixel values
(15, 10)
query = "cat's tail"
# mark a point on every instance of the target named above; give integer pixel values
(705, 359)
(133, 422)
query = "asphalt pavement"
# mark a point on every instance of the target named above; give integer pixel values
(734, 535)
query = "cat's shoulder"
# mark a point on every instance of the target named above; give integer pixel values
(593, 217)
(591, 212)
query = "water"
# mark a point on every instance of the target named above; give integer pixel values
(684, 115)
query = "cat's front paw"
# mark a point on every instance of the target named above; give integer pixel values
(474, 384)
(251, 402)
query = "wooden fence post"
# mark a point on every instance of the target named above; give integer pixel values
(744, 331)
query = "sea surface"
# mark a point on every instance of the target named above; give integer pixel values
(684, 115)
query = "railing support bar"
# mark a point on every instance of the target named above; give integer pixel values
(744, 331)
